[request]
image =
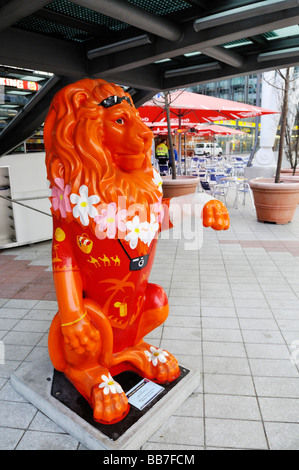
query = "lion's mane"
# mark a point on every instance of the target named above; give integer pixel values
(74, 150)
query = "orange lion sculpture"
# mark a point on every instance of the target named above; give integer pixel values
(107, 212)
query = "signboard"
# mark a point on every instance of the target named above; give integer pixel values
(21, 84)
(143, 393)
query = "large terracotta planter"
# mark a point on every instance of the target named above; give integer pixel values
(289, 178)
(180, 186)
(274, 202)
(289, 171)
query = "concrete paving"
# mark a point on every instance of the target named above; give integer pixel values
(234, 316)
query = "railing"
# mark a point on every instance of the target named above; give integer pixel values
(25, 205)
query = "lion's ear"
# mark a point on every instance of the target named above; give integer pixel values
(57, 169)
(78, 98)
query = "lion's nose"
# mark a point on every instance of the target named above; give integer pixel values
(146, 135)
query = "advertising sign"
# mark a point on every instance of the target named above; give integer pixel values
(21, 84)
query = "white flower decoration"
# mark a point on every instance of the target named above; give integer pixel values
(149, 230)
(109, 385)
(157, 180)
(135, 228)
(84, 205)
(156, 355)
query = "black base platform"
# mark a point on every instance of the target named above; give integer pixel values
(57, 398)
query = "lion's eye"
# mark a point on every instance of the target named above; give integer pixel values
(120, 121)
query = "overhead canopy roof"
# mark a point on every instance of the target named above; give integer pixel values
(147, 45)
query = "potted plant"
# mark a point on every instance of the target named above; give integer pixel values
(276, 200)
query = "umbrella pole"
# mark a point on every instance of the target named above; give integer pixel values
(180, 145)
(185, 153)
(169, 136)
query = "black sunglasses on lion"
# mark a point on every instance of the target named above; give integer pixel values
(113, 100)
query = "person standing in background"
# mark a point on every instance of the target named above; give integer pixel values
(162, 154)
(176, 157)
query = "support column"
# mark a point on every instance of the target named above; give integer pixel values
(271, 99)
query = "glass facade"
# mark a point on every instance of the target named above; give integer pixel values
(244, 89)
(241, 89)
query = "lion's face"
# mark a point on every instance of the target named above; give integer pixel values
(126, 137)
(94, 138)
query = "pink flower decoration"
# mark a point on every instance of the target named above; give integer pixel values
(159, 210)
(110, 220)
(60, 198)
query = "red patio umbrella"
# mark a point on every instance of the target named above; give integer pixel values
(160, 130)
(187, 108)
(215, 129)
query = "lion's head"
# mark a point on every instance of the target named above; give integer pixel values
(95, 138)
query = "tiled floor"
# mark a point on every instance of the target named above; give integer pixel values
(234, 316)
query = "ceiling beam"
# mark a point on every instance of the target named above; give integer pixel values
(226, 56)
(242, 13)
(134, 16)
(222, 5)
(280, 43)
(279, 54)
(142, 96)
(118, 46)
(16, 10)
(193, 41)
(200, 3)
(252, 66)
(60, 18)
(38, 52)
(192, 69)
(144, 78)
(259, 40)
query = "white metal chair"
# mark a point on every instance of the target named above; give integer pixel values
(217, 190)
(244, 187)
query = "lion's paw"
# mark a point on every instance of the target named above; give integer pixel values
(163, 366)
(108, 401)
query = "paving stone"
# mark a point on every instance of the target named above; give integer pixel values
(223, 349)
(231, 407)
(226, 365)
(9, 438)
(180, 430)
(228, 384)
(277, 387)
(283, 436)
(280, 409)
(35, 440)
(16, 415)
(273, 367)
(20, 303)
(237, 434)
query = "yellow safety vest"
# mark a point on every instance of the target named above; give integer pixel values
(162, 150)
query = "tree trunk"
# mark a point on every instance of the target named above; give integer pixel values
(283, 125)
(296, 146)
